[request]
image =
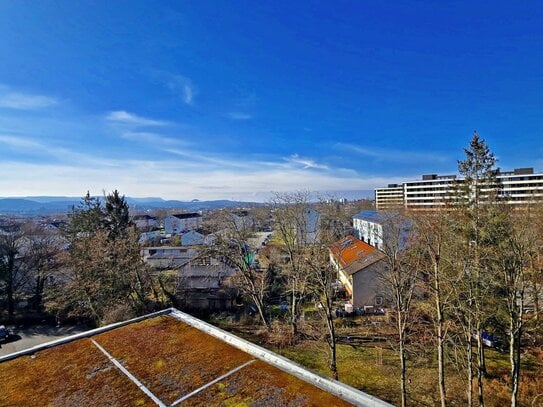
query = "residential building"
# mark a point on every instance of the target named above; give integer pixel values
(360, 267)
(308, 230)
(164, 359)
(205, 284)
(192, 238)
(163, 257)
(242, 220)
(182, 222)
(377, 228)
(151, 235)
(519, 187)
(145, 222)
(390, 197)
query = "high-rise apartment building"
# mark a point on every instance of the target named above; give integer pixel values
(518, 187)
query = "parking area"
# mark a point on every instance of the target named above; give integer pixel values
(26, 337)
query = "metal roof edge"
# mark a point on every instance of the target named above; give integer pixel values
(334, 387)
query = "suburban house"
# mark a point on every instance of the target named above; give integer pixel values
(242, 220)
(192, 238)
(145, 222)
(205, 283)
(162, 257)
(182, 222)
(359, 268)
(151, 235)
(378, 228)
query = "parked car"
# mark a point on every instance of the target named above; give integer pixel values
(4, 333)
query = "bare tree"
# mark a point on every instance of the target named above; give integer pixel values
(290, 212)
(232, 245)
(399, 280)
(323, 275)
(43, 251)
(514, 259)
(12, 275)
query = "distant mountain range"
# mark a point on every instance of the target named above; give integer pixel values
(51, 205)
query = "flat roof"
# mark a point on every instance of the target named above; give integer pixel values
(166, 358)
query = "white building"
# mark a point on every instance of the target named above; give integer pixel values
(378, 228)
(518, 187)
(182, 222)
(145, 221)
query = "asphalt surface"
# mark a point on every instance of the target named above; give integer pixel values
(26, 337)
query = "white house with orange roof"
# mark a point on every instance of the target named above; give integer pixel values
(360, 267)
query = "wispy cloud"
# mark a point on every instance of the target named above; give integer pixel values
(24, 101)
(122, 116)
(182, 86)
(398, 156)
(305, 162)
(239, 116)
(152, 138)
(18, 142)
(141, 178)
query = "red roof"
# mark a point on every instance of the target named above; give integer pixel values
(354, 255)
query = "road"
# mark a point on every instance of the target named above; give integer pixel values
(256, 241)
(26, 337)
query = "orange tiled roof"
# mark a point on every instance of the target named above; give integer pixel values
(354, 254)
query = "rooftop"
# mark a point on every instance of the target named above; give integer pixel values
(165, 358)
(372, 216)
(187, 215)
(354, 254)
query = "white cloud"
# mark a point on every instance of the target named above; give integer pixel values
(151, 138)
(24, 101)
(399, 156)
(305, 162)
(122, 116)
(172, 180)
(239, 116)
(19, 142)
(182, 86)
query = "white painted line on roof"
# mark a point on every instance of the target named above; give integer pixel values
(211, 383)
(129, 375)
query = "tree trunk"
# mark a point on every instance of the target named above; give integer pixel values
(403, 367)
(481, 366)
(514, 357)
(440, 336)
(332, 343)
(260, 307)
(293, 318)
(10, 287)
(469, 350)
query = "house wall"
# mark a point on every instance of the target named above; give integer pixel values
(369, 232)
(367, 286)
(192, 238)
(175, 225)
(145, 223)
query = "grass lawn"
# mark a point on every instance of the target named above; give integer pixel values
(375, 370)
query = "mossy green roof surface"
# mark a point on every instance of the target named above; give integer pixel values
(168, 356)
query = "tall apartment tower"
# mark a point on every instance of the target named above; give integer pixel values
(518, 187)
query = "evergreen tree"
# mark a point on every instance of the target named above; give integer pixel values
(116, 215)
(480, 230)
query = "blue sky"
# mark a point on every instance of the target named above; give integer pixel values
(216, 99)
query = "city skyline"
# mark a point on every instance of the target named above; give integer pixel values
(211, 101)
